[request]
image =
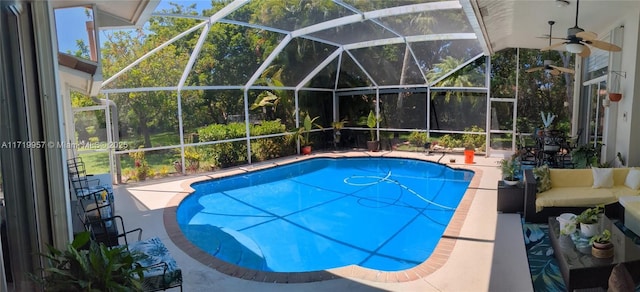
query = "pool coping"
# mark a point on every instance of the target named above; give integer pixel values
(438, 258)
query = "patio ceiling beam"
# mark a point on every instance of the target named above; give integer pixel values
(269, 60)
(145, 56)
(394, 11)
(319, 68)
(412, 39)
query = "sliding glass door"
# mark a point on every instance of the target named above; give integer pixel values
(592, 113)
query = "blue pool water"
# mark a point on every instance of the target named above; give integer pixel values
(380, 213)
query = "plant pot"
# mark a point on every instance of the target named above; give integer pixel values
(615, 96)
(567, 223)
(373, 145)
(306, 150)
(600, 245)
(589, 230)
(511, 182)
(468, 156)
(602, 250)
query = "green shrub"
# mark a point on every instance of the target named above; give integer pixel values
(230, 153)
(141, 166)
(268, 148)
(225, 154)
(418, 139)
(477, 140)
(91, 130)
(267, 127)
(164, 171)
(449, 141)
(192, 157)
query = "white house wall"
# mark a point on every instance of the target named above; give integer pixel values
(628, 134)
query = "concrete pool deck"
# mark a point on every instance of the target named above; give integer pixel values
(481, 250)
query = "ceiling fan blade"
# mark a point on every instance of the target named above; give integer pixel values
(585, 52)
(587, 35)
(534, 69)
(604, 45)
(552, 47)
(562, 69)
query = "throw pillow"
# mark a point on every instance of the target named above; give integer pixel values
(633, 179)
(620, 279)
(543, 178)
(602, 177)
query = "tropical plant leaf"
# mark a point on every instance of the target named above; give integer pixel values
(545, 273)
(98, 268)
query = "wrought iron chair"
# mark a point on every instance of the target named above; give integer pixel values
(84, 185)
(161, 272)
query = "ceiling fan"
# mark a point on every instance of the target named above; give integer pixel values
(548, 64)
(578, 40)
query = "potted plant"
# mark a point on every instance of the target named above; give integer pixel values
(302, 133)
(601, 244)
(614, 94)
(548, 120)
(509, 167)
(337, 126)
(98, 268)
(372, 122)
(584, 156)
(588, 220)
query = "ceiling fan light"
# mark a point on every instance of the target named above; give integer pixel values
(575, 48)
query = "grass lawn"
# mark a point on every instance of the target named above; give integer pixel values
(98, 162)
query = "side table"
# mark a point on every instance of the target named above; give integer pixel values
(510, 198)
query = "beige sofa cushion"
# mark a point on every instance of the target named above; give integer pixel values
(574, 188)
(633, 208)
(575, 197)
(562, 178)
(623, 191)
(582, 177)
(620, 175)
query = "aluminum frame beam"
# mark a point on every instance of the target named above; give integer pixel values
(319, 68)
(147, 55)
(394, 11)
(411, 39)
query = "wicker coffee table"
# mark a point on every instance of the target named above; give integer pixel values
(579, 268)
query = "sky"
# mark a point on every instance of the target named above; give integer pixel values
(70, 23)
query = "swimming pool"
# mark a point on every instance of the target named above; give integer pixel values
(386, 214)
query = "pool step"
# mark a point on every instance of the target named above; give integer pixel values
(227, 244)
(241, 250)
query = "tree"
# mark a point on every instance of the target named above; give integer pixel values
(149, 110)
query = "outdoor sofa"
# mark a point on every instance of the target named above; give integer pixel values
(573, 190)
